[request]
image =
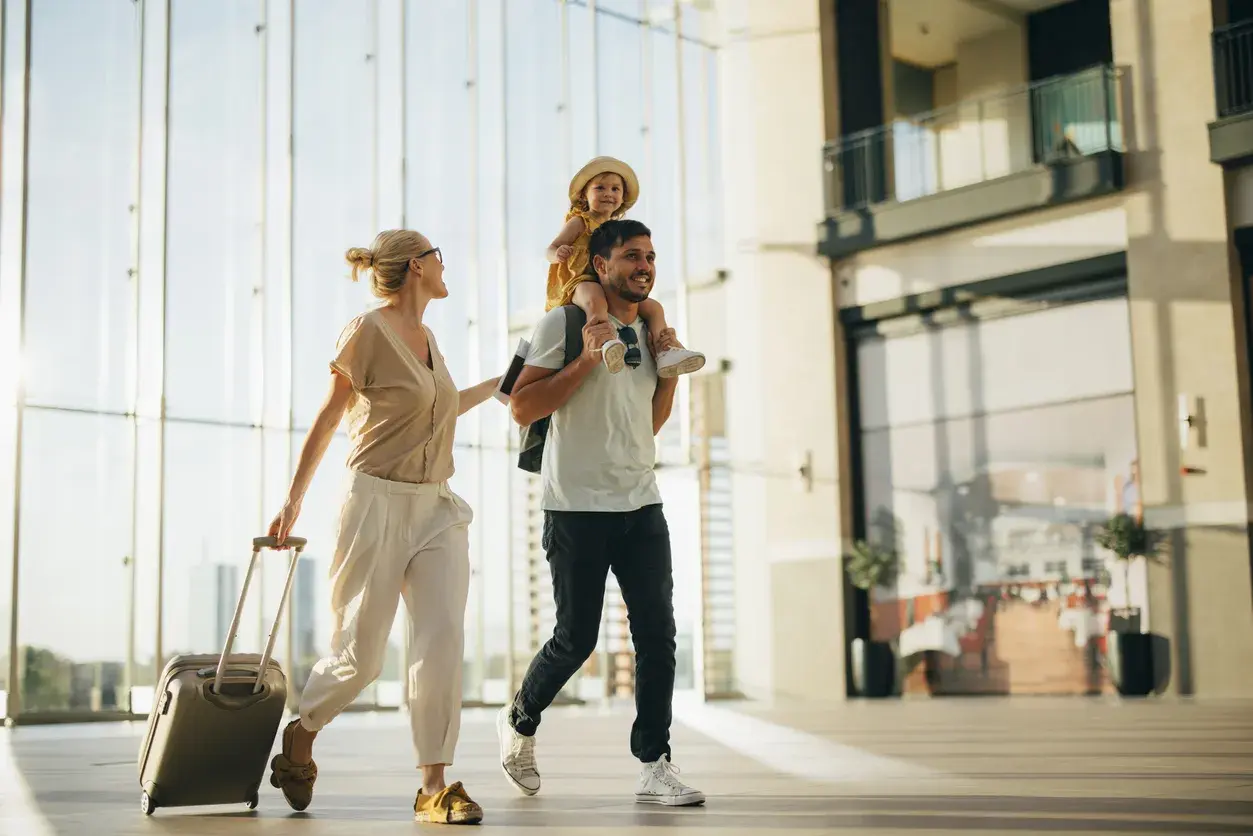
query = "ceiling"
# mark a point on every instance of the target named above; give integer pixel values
(926, 32)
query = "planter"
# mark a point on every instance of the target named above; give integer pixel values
(1129, 657)
(874, 669)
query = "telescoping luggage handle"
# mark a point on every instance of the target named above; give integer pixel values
(297, 545)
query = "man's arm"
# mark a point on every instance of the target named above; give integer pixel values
(663, 401)
(542, 387)
(663, 395)
(540, 392)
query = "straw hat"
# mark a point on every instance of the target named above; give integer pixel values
(607, 165)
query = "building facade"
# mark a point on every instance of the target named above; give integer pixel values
(1028, 312)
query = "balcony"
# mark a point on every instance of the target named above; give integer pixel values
(1231, 135)
(1042, 144)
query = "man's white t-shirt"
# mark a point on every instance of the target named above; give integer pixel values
(599, 453)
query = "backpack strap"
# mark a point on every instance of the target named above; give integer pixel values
(576, 318)
(531, 438)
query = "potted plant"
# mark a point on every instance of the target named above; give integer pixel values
(873, 663)
(1129, 651)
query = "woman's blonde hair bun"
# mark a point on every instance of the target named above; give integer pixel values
(388, 260)
(361, 259)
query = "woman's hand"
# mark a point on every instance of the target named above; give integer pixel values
(475, 395)
(282, 525)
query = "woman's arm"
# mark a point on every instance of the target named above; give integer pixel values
(316, 442)
(475, 395)
(568, 235)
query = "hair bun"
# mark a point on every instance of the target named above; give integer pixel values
(360, 258)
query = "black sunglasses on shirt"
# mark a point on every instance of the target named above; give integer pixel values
(627, 334)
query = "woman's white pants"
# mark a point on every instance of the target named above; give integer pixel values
(398, 538)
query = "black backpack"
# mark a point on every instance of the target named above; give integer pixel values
(531, 438)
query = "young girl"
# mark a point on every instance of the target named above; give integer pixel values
(605, 188)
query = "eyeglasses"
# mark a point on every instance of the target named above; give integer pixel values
(633, 357)
(432, 251)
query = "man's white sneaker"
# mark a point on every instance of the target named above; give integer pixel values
(676, 361)
(659, 784)
(517, 755)
(614, 355)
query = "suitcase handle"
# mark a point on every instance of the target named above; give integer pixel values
(297, 545)
(272, 543)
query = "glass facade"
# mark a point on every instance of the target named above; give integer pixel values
(178, 184)
(992, 450)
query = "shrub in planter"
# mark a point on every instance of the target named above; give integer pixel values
(873, 663)
(1129, 652)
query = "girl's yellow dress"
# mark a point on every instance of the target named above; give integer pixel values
(565, 276)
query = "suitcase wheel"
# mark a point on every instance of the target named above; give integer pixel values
(253, 801)
(146, 805)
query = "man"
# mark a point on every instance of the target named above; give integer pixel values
(602, 512)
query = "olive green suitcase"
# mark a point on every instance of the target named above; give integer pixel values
(215, 717)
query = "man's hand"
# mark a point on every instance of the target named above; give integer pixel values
(564, 252)
(595, 335)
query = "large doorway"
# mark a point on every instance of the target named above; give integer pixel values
(994, 439)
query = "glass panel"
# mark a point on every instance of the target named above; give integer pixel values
(12, 83)
(999, 364)
(7, 449)
(311, 595)
(702, 163)
(334, 193)
(75, 543)
(994, 512)
(581, 43)
(148, 542)
(628, 8)
(490, 539)
(277, 349)
(84, 120)
(620, 118)
(537, 181)
(214, 263)
(152, 219)
(659, 199)
(212, 512)
(439, 165)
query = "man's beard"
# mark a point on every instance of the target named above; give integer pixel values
(623, 289)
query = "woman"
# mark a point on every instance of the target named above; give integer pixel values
(401, 530)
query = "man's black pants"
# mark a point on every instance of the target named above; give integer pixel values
(582, 548)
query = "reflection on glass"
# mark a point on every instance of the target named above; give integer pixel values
(84, 83)
(994, 510)
(75, 561)
(212, 512)
(214, 209)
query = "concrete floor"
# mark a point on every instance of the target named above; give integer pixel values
(987, 765)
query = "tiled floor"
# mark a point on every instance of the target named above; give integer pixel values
(987, 765)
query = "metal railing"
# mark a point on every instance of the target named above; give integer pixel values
(975, 141)
(1233, 68)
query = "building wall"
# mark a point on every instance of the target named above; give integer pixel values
(780, 388)
(1183, 343)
